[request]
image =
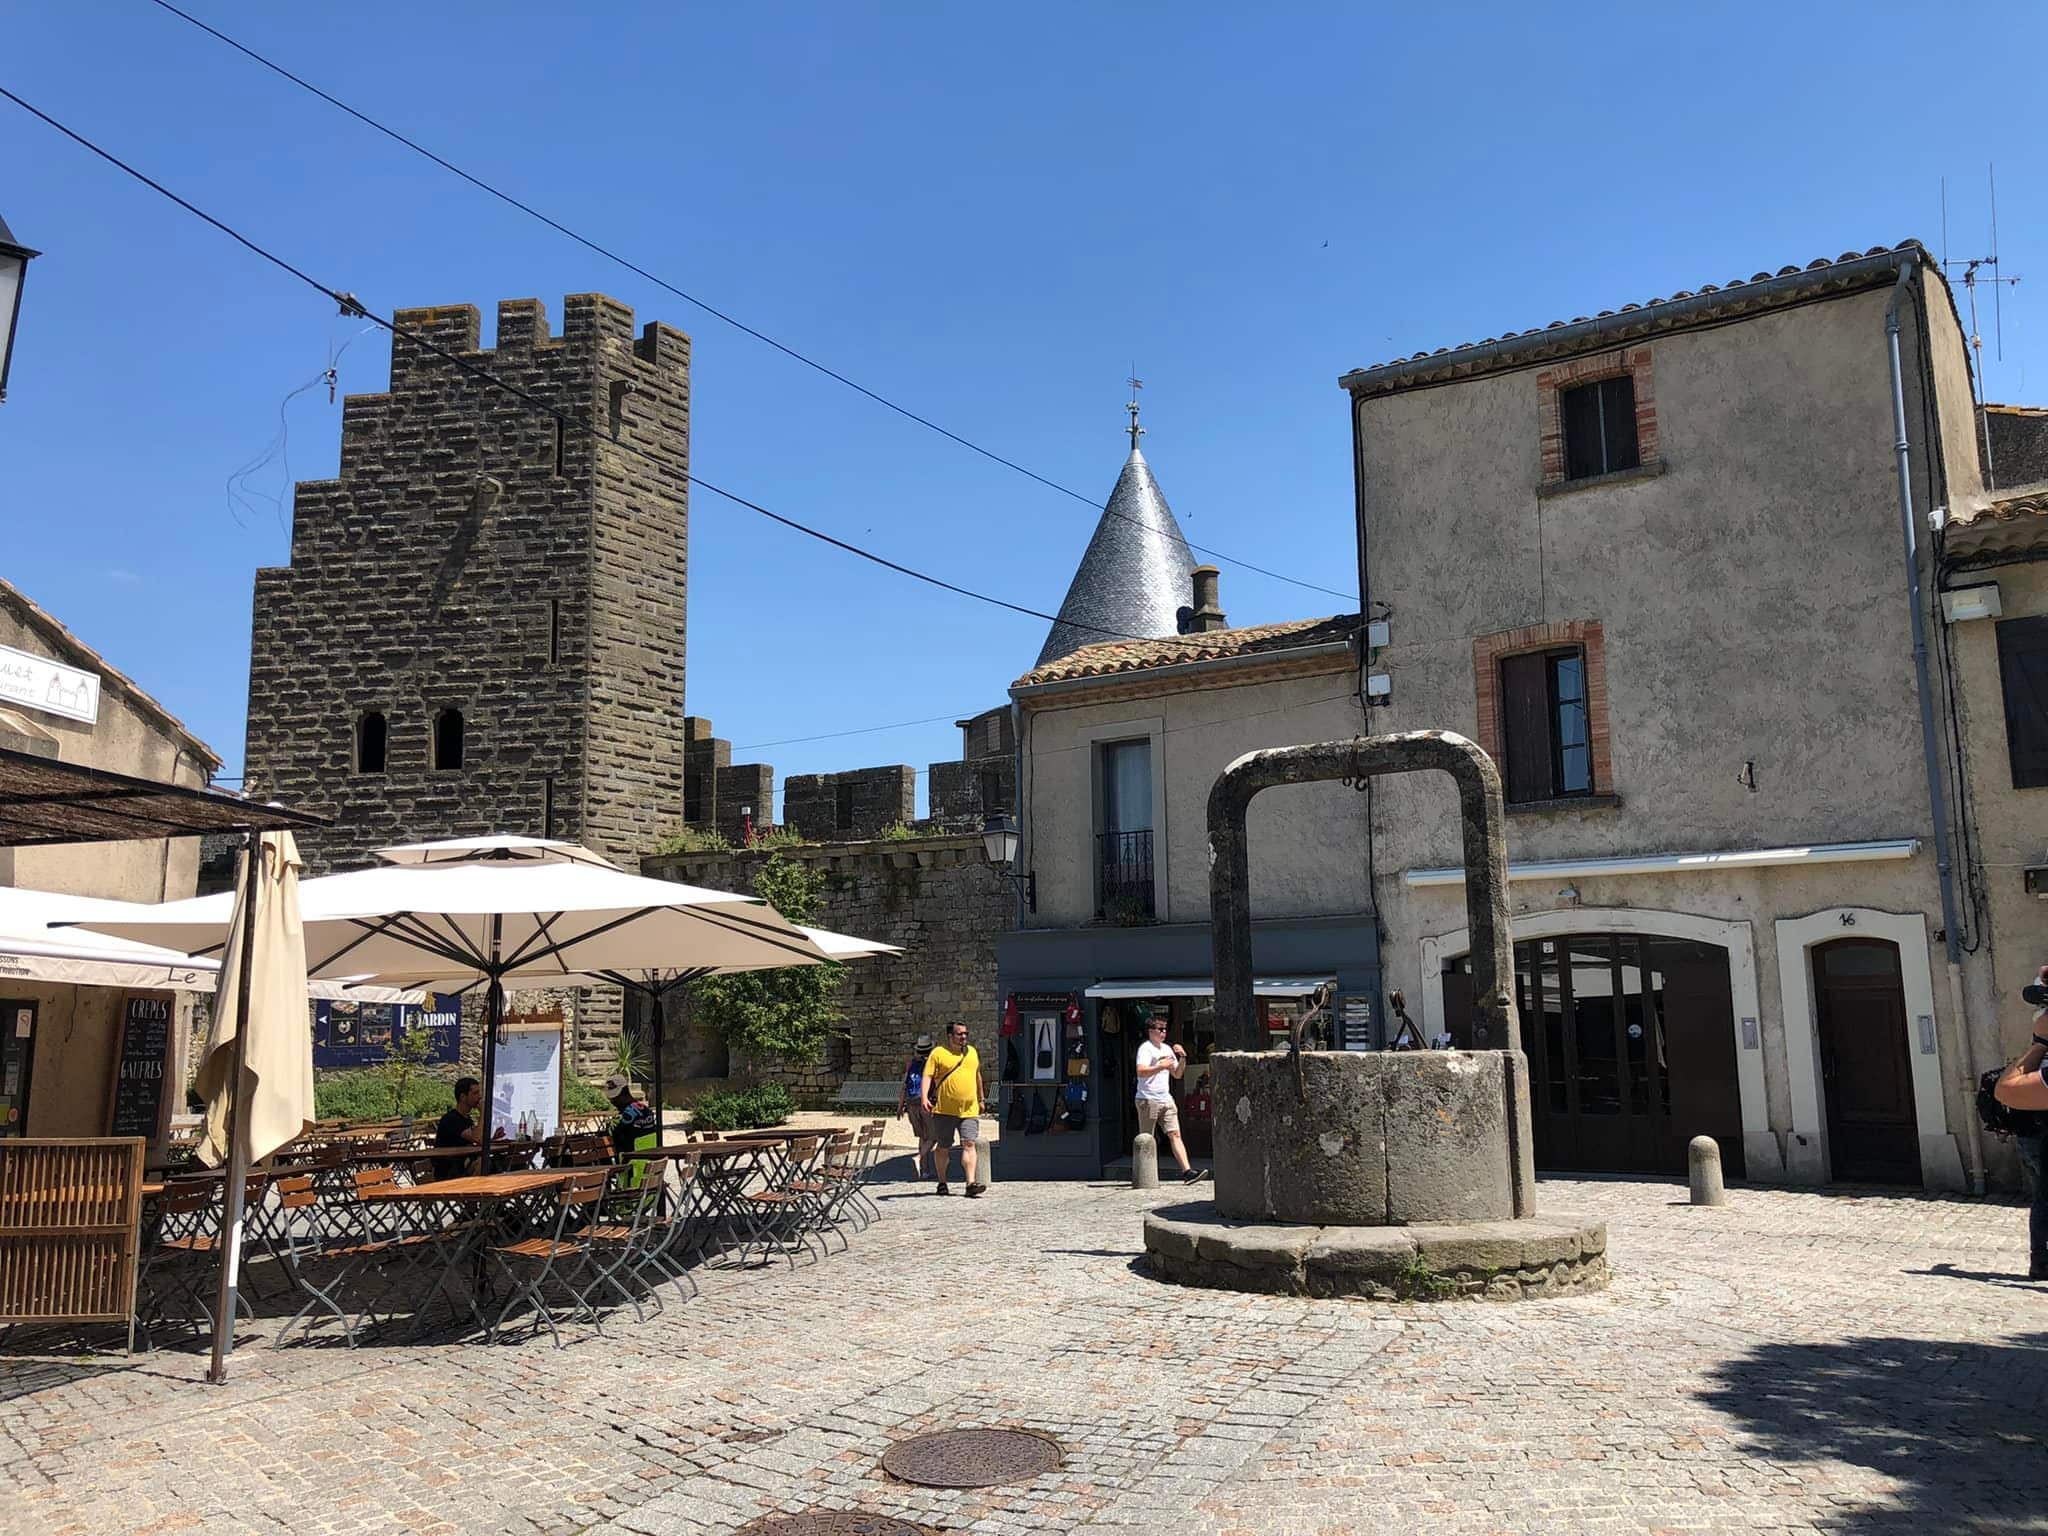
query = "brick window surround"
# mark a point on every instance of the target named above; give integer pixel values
(1552, 382)
(1488, 651)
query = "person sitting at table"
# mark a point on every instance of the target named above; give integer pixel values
(458, 1128)
(636, 1130)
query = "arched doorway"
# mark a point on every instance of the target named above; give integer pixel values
(1631, 1049)
(1859, 1006)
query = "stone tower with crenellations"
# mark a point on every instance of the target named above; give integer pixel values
(481, 628)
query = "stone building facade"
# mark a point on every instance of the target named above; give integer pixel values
(1653, 561)
(932, 896)
(482, 625)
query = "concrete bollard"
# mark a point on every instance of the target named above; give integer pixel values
(1144, 1162)
(1703, 1160)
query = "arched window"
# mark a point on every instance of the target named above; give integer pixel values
(448, 739)
(370, 736)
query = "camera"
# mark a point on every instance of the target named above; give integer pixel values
(2036, 993)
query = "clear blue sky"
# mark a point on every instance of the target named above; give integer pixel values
(988, 213)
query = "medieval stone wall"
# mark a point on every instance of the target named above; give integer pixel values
(933, 896)
(858, 803)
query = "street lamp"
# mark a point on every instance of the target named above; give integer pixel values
(14, 260)
(999, 844)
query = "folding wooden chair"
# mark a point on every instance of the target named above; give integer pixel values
(578, 1198)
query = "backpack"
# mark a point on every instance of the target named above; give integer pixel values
(1039, 1116)
(2003, 1119)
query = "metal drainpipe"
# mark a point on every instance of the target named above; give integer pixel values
(1937, 802)
(1024, 834)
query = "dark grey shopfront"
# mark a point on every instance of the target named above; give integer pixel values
(1072, 1008)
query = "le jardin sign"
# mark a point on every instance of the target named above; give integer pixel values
(37, 682)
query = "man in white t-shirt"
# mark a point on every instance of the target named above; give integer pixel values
(1156, 1062)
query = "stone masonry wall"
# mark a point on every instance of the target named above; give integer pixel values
(475, 555)
(933, 896)
(858, 803)
(471, 557)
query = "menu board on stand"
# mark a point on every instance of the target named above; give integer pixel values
(529, 1076)
(141, 1063)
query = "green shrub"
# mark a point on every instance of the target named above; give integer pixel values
(690, 840)
(581, 1098)
(366, 1095)
(788, 1012)
(742, 1109)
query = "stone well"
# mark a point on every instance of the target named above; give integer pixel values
(1390, 1175)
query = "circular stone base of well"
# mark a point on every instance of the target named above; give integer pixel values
(1551, 1255)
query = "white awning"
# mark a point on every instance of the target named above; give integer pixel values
(1685, 863)
(1202, 986)
(32, 950)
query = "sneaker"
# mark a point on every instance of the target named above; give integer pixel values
(1193, 1176)
(945, 1189)
(974, 1191)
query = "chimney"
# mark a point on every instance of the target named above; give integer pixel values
(1207, 613)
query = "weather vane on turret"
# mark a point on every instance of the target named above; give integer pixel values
(1134, 429)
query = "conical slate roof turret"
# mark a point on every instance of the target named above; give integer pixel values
(1137, 573)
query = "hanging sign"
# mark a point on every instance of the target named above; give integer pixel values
(37, 682)
(139, 1067)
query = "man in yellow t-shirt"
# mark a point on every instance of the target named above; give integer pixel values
(952, 1095)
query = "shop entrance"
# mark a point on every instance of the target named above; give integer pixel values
(1631, 1048)
(17, 1057)
(1191, 1024)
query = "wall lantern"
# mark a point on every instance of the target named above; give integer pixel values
(14, 260)
(999, 840)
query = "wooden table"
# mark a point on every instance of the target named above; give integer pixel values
(474, 1186)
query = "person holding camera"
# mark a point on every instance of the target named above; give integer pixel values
(2023, 1086)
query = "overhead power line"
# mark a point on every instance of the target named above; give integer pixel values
(575, 423)
(491, 190)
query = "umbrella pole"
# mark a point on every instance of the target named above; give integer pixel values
(660, 1028)
(235, 1186)
(494, 1016)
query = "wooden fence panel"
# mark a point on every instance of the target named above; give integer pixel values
(70, 1220)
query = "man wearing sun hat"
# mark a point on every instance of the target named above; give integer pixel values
(637, 1130)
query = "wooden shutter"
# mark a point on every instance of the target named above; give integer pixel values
(1582, 456)
(2023, 672)
(1618, 418)
(1525, 726)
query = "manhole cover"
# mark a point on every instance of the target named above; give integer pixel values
(972, 1458)
(833, 1522)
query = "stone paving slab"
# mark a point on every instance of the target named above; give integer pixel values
(1791, 1362)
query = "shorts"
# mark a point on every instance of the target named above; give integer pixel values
(943, 1127)
(1163, 1113)
(920, 1119)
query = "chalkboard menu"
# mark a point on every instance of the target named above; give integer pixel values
(140, 1067)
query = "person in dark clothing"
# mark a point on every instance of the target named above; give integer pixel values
(2024, 1085)
(458, 1127)
(636, 1128)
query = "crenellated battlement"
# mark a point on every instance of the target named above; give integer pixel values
(590, 321)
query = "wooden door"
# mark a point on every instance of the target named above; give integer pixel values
(1867, 1079)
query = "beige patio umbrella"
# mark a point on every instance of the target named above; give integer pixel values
(256, 1072)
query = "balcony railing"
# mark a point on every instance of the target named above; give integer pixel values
(1123, 876)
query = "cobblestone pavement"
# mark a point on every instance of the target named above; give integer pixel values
(1795, 1362)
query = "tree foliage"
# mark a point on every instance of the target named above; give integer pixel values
(788, 1013)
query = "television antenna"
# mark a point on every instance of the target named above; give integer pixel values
(1985, 271)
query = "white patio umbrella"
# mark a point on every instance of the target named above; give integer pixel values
(504, 907)
(256, 1073)
(657, 983)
